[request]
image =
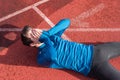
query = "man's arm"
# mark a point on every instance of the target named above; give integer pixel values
(50, 50)
(53, 65)
(60, 27)
(43, 61)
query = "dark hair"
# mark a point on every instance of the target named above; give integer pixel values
(25, 40)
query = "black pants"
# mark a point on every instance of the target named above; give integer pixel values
(101, 67)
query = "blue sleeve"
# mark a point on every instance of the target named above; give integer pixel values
(49, 49)
(42, 60)
(44, 38)
(53, 65)
(60, 27)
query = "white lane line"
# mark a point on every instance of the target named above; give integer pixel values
(91, 11)
(70, 29)
(94, 29)
(47, 19)
(77, 20)
(40, 2)
(22, 10)
(14, 29)
(10, 29)
(43, 16)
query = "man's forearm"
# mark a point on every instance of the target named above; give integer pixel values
(60, 27)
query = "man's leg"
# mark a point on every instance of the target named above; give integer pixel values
(105, 71)
(109, 50)
(102, 54)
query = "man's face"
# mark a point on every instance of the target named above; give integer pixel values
(34, 35)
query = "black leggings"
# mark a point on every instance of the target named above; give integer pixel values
(101, 67)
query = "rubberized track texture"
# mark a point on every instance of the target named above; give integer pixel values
(92, 21)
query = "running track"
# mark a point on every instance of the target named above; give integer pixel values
(92, 21)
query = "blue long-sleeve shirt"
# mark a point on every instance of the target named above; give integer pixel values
(59, 53)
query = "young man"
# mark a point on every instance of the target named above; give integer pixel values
(55, 52)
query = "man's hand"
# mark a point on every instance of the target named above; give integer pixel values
(35, 35)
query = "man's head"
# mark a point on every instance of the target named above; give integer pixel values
(27, 36)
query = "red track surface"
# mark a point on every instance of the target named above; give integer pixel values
(18, 62)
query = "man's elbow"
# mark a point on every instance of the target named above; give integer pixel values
(66, 22)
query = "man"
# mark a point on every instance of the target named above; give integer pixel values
(55, 52)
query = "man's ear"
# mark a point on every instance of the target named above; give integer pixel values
(32, 44)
